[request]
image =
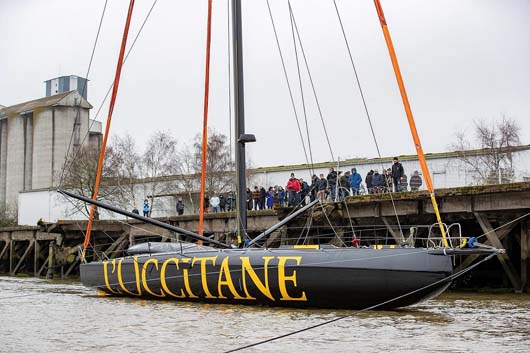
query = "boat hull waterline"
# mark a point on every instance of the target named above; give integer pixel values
(349, 278)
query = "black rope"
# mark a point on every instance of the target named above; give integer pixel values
(367, 113)
(312, 86)
(449, 278)
(78, 114)
(288, 83)
(301, 88)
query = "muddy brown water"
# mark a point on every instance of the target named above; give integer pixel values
(56, 316)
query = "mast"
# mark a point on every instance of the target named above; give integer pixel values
(410, 118)
(239, 110)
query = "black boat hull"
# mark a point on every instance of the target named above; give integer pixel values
(345, 278)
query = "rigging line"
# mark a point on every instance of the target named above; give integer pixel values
(446, 279)
(83, 91)
(367, 114)
(331, 225)
(112, 84)
(312, 169)
(349, 218)
(313, 88)
(287, 81)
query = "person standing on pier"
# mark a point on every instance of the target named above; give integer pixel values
(180, 207)
(332, 183)
(293, 189)
(368, 179)
(255, 198)
(214, 202)
(281, 196)
(147, 209)
(397, 173)
(222, 203)
(355, 181)
(415, 181)
(322, 188)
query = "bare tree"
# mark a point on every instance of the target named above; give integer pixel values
(128, 169)
(159, 160)
(188, 179)
(80, 176)
(490, 153)
(219, 166)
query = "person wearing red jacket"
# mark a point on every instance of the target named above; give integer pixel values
(293, 190)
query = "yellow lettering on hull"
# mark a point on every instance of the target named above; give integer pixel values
(246, 267)
(185, 272)
(203, 260)
(283, 278)
(287, 282)
(106, 275)
(163, 278)
(154, 261)
(136, 274)
(225, 271)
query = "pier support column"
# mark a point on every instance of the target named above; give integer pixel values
(36, 257)
(501, 234)
(525, 253)
(397, 237)
(51, 261)
(504, 259)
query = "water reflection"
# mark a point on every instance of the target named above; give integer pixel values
(43, 316)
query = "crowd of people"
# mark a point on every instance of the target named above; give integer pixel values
(335, 186)
(392, 179)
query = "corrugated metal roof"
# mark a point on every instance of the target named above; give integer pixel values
(39, 103)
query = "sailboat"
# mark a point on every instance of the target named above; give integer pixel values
(307, 276)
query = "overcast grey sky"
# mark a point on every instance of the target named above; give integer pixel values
(461, 60)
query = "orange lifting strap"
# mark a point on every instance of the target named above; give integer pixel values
(205, 120)
(410, 118)
(107, 127)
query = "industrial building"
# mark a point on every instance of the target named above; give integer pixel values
(35, 137)
(447, 171)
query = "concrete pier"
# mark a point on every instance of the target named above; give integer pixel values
(498, 214)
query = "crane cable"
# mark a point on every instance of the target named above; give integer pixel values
(367, 114)
(312, 86)
(78, 113)
(287, 81)
(93, 121)
(301, 88)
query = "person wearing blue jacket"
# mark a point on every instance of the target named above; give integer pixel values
(281, 196)
(147, 209)
(355, 181)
